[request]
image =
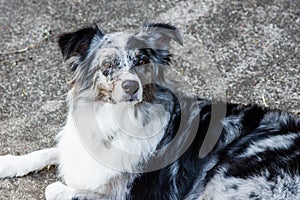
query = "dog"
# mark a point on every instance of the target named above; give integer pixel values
(134, 131)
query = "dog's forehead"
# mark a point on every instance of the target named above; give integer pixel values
(116, 40)
(123, 42)
(112, 45)
(119, 47)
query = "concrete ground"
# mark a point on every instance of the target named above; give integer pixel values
(246, 50)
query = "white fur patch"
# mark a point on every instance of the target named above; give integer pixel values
(59, 191)
(12, 166)
(92, 156)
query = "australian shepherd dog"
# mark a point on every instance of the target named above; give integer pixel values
(134, 131)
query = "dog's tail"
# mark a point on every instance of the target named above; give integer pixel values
(16, 166)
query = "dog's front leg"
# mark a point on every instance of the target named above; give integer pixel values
(59, 191)
(16, 166)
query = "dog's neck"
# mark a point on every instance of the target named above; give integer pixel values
(122, 136)
(140, 122)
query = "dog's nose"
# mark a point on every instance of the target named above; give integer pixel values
(130, 87)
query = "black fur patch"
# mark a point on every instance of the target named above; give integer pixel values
(77, 43)
(158, 56)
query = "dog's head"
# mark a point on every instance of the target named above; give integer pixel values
(117, 67)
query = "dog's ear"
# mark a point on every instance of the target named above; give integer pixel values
(158, 36)
(78, 43)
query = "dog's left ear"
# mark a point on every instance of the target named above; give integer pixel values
(158, 36)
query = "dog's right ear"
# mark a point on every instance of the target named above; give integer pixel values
(159, 35)
(78, 43)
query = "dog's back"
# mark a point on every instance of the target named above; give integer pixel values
(256, 157)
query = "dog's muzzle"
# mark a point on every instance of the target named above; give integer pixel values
(127, 88)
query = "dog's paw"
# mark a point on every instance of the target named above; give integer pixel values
(59, 191)
(10, 167)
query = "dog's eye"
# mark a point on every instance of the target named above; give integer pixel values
(141, 60)
(107, 64)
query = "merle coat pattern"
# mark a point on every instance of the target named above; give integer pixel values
(257, 155)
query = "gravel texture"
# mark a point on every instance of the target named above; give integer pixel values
(244, 51)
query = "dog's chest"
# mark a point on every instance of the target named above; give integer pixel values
(113, 140)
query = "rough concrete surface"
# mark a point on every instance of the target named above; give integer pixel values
(247, 51)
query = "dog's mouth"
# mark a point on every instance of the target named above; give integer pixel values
(119, 97)
(145, 95)
(132, 99)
